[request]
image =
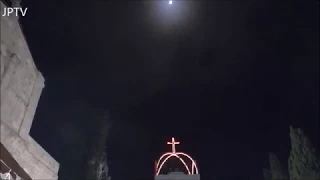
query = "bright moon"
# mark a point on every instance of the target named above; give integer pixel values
(170, 2)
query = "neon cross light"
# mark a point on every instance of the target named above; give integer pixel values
(173, 143)
(168, 155)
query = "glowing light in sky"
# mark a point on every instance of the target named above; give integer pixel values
(168, 155)
(170, 2)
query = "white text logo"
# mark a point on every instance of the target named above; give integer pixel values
(15, 11)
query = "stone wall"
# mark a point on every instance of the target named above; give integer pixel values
(21, 87)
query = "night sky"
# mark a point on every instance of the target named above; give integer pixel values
(225, 78)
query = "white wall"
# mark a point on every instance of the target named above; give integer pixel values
(21, 87)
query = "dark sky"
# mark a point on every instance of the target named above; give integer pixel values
(225, 78)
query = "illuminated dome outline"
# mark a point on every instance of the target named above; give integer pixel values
(168, 155)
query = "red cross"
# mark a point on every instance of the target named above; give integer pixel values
(173, 143)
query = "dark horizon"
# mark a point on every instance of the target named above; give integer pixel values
(228, 77)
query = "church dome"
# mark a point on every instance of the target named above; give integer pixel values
(185, 162)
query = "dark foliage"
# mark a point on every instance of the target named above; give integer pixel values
(276, 168)
(304, 162)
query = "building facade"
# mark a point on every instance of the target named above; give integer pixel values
(21, 86)
(177, 176)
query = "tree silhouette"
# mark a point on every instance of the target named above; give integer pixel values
(278, 172)
(97, 165)
(267, 174)
(303, 161)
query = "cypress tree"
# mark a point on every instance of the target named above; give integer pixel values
(267, 174)
(304, 161)
(278, 172)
